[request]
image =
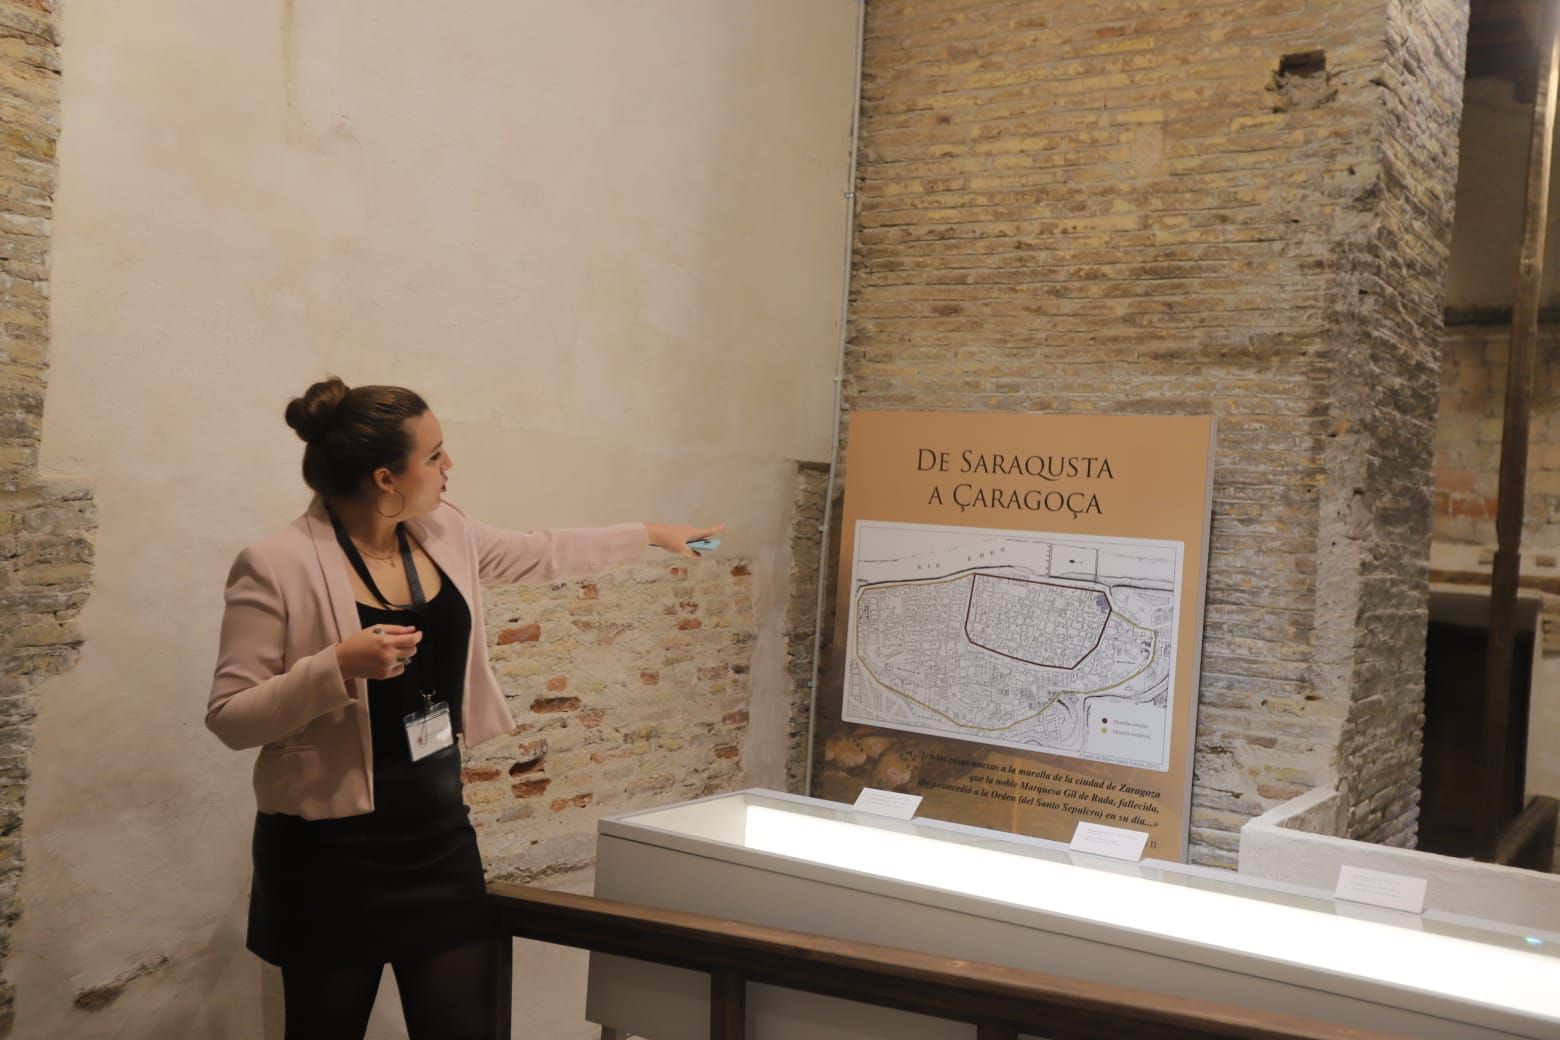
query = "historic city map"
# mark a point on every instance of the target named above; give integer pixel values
(1061, 644)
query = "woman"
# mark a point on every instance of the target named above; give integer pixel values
(353, 654)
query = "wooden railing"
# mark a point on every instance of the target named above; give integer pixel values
(1002, 1002)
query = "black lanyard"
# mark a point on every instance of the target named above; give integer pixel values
(419, 605)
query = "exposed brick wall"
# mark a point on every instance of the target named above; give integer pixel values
(1468, 432)
(1389, 306)
(46, 529)
(812, 481)
(29, 129)
(630, 689)
(1136, 207)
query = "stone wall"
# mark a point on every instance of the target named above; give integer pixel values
(1189, 207)
(1389, 305)
(801, 615)
(1468, 433)
(630, 689)
(46, 528)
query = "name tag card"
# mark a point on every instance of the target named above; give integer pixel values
(1378, 888)
(430, 731)
(887, 803)
(1115, 842)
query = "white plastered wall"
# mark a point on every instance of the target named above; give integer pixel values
(604, 239)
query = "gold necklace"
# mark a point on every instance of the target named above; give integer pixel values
(375, 556)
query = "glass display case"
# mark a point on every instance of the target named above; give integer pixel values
(792, 862)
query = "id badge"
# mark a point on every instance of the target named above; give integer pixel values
(429, 731)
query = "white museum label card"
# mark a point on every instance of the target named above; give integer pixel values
(888, 803)
(1115, 842)
(1378, 888)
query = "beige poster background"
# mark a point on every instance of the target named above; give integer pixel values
(1105, 476)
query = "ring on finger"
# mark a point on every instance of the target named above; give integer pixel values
(378, 631)
(402, 661)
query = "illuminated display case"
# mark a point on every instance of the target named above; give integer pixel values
(814, 866)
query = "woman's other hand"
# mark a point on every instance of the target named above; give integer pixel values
(674, 538)
(377, 652)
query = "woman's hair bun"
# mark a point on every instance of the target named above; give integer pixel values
(312, 414)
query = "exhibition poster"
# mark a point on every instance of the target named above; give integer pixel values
(1018, 619)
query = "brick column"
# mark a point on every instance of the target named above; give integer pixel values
(1191, 207)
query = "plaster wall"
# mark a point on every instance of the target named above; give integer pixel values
(604, 240)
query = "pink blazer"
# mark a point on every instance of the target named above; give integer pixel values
(278, 687)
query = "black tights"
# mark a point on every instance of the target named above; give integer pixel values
(444, 996)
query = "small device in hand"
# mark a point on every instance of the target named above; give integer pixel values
(704, 545)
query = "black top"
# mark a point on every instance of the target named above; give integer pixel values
(438, 666)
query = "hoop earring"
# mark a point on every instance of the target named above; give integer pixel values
(399, 510)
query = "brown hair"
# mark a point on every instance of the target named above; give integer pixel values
(352, 432)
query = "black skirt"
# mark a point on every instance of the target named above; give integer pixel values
(402, 882)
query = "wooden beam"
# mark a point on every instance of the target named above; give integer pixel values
(1514, 447)
(728, 1006)
(1002, 1001)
